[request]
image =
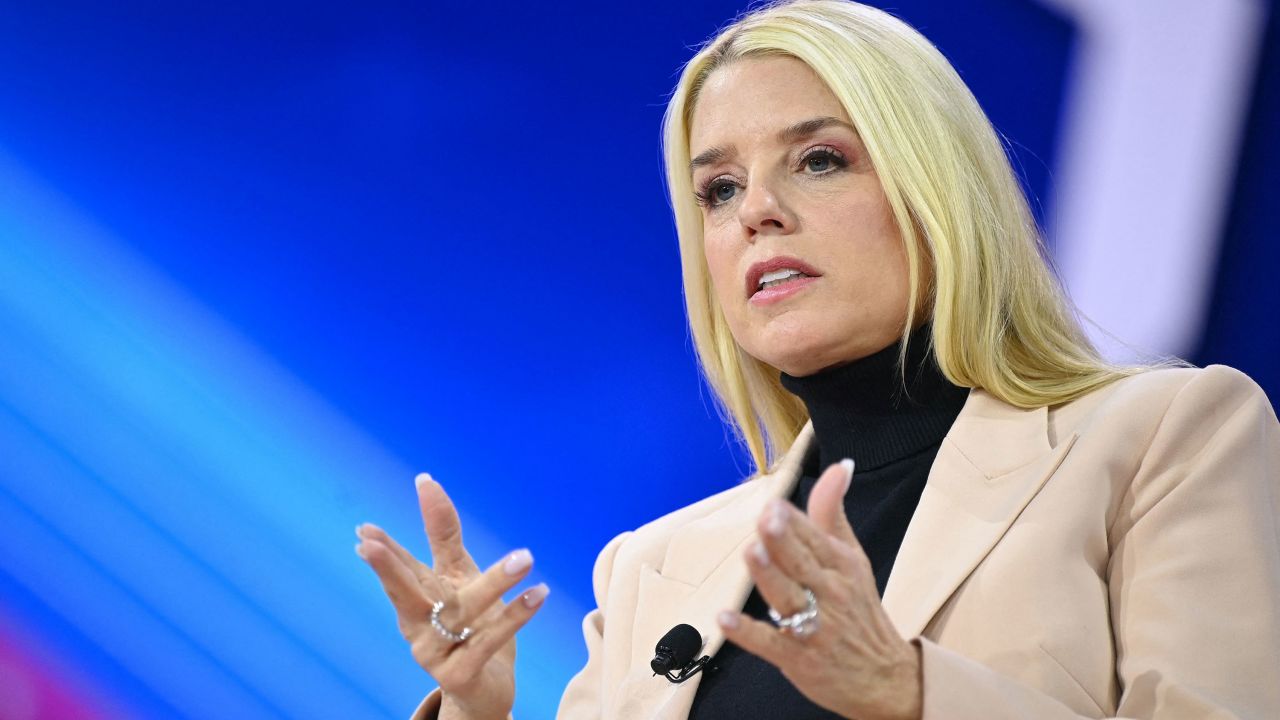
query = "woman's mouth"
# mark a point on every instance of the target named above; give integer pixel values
(778, 277)
(779, 288)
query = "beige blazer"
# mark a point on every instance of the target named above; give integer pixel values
(1115, 556)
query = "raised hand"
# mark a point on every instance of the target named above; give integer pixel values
(848, 657)
(476, 675)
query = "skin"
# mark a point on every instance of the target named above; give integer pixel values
(476, 676)
(816, 198)
(856, 664)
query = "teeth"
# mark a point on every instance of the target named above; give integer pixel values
(782, 274)
(777, 277)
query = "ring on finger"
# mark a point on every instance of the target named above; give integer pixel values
(801, 624)
(444, 632)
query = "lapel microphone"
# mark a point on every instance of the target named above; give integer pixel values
(673, 657)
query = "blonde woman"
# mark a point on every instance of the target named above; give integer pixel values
(961, 510)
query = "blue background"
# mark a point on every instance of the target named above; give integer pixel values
(262, 262)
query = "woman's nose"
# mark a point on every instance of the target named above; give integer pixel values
(763, 211)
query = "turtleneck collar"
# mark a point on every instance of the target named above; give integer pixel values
(859, 409)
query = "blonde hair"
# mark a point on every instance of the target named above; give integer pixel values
(1000, 321)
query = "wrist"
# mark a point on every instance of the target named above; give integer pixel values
(901, 695)
(909, 694)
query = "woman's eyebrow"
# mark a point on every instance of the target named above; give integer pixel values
(709, 157)
(789, 134)
(805, 128)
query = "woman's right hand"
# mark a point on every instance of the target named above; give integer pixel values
(476, 675)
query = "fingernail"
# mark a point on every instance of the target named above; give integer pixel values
(728, 620)
(760, 554)
(421, 479)
(359, 530)
(777, 518)
(517, 562)
(534, 596)
(847, 464)
(360, 551)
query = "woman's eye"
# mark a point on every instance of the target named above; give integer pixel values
(822, 161)
(722, 192)
(715, 193)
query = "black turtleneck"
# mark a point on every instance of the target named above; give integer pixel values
(859, 410)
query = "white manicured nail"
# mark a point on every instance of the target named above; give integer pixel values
(728, 620)
(421, 479)
(517, 562)
(760, 554)
(777, 518)
(534, 596)
(847, 464)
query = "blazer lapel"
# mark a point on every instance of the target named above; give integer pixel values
(994, 460)
(701, 574)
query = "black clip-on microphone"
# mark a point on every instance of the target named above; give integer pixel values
(675, 652)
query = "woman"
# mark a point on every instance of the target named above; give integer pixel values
(1030, 532)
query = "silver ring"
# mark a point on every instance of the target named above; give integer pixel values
(445, 632)
(801, 624)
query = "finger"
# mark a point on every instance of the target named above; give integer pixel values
(758, 638)
(398, 582)
(467, 659)
(477, 596)
(826, 502)
(373, 532)
(444, 529)
(795, 546)
(778, 590)
(826, 548)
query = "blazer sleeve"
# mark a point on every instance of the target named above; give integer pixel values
(1194, 575)
(585, 693)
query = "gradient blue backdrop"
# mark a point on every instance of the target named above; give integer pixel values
(262, 262)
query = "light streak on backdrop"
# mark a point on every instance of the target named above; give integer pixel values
(1154, 119)
(184, 509)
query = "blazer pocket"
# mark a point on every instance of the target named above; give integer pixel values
(1083, 697)
(659, 599)
(658, 603)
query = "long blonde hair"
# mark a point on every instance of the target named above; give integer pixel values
(1000, 320)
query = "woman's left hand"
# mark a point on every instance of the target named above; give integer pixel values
(855, 663)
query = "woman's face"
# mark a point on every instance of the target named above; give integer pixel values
(786, 187)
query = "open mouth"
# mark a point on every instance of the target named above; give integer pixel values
(779, 277)
(778, 290)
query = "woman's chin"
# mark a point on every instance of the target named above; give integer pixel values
(801, 358)
(798, 363)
